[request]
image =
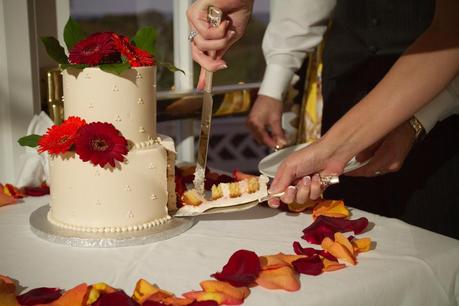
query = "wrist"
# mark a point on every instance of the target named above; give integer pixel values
(419, 130)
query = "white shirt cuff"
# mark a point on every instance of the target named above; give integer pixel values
(275, 81)
(442, 106)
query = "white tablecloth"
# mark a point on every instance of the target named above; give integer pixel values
(410, 266)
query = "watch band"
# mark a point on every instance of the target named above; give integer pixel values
(418, 128)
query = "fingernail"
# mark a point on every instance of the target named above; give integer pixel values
(224, 66)
(316, 177)
(307, 179)
(291, 187)
(232, 33)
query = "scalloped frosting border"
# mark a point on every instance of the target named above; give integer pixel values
(109, 229)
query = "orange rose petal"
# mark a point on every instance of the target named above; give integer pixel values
(338, 250)
(6, 199)
(331, 265)
(96, 290)
(296, 207)
(146, 291)
(225, 288)
(176, 301)
(361, 244)
(341, 239)
(206, 296)
(271, 262)
(282, 278)
(143, 289)
(278, 260)
(330, 208)
(76, 296)
(7, 292)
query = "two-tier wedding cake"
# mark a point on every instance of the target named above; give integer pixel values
(135, 194)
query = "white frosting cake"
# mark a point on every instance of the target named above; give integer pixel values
(137, 193)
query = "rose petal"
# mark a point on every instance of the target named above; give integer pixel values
(282, 278)
(310, 265)
(76, 296)
(338, 250)
(143, 290)
(339, 237)
(298, 249)
(37, 191)
(311, 251)
(7, 292)
(325, 226)
(96, 290)
(39, 296)
(361, 244)
(297, 208)
(118, 298)
(204, 303)
(242, 269)
(205, 296)
(330, 208)
(226, 288)
(6, 199)
(332, 265)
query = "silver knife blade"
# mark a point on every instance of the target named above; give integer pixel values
(214, 16)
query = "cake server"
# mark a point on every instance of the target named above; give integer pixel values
(214, 16)
(240, 204)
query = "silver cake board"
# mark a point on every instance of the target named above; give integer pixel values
(44, 229)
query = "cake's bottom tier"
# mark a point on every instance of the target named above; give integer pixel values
(132, 196)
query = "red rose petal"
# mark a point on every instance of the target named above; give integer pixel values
(310, 265)
(118, 298)
(39, 296)
(36, 191)
(325, 226)
(242, 269)
(299, 250)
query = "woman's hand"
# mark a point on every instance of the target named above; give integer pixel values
(236, 14)
(298, 175)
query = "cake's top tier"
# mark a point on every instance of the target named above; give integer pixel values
(128, 101)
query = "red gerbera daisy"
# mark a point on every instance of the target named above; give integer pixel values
(135, 56)
(96, 49)
(100, 143)
(60, 138)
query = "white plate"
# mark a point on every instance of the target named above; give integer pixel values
(269, 164)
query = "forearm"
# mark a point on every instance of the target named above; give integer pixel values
(296, 27)
(416, 78)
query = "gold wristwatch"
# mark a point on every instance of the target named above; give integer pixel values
(418, 128)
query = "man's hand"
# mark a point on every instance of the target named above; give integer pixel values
(264, 121)
(388, 154)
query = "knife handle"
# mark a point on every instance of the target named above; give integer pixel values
(214, 18)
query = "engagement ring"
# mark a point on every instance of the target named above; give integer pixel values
(192, 35)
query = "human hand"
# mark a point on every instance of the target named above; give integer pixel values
(236, 14)
(388, 154)
(264, 121)
(294, 174)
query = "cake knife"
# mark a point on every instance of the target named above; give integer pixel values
(214, 16)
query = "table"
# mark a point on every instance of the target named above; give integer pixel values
(410, 266)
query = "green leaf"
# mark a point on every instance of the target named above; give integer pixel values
(72, 33)
(54, 49)
(29, 140)
(76, 66)
(115, 68)
(145, 39)
(170, 67)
